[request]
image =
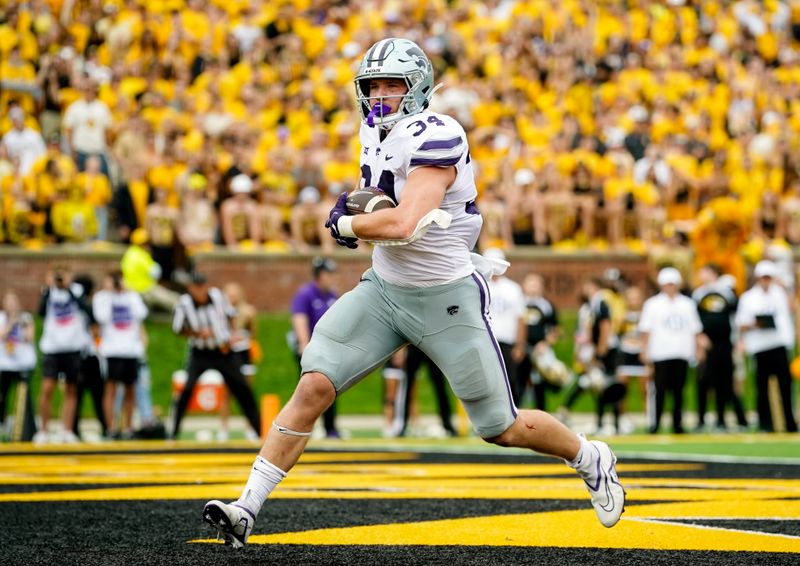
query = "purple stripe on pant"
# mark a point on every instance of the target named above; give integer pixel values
(484, 291)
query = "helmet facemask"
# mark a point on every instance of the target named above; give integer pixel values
(378, 114)
(403, 60)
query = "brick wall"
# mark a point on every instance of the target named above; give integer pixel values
(269, 281)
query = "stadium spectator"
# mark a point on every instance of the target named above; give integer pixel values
(141, 274)
(309, 303)
(789, 210)
(204, 316)
(87, 126)
(17, 350)
(53, 76)
(120, 312)
(197, 221)
(72, 216)
(23, 142)
(42, 190)
(274, 235)
(307, 226)
(238, 217)
(20, 221)
(764, 318)
(671, 338)
(63, 338)
(17, 71)
(497, 227)
(130, 202)
(96, 188)
(161, 223)
(688, 83)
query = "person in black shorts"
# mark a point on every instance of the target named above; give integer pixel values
(90, 377)
(63, 338)
(119, 313)
(716, 305)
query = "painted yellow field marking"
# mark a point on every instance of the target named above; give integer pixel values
(550, 529)
(389, 475)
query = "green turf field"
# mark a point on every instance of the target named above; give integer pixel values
(277, 372)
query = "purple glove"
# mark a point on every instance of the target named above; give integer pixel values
(339, 210)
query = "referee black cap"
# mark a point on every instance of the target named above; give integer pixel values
(197, 278)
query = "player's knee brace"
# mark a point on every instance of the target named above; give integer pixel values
(288, 431)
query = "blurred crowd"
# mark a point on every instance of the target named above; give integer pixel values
(232, 123)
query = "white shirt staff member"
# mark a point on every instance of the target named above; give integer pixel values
(764, 319)
(507, 309)
(671, 337)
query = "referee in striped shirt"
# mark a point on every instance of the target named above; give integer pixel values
(204, 316)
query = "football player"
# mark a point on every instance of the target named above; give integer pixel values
(423, 289)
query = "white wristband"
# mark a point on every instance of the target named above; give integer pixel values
(345, 227)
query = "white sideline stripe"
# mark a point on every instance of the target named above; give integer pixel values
(713, 458)
(711, 528)
(478, 449)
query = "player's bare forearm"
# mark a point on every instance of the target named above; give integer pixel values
(424, 191)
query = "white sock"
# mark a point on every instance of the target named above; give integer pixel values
(584, 457)
(263, 478)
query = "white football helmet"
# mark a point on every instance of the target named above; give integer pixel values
(394, 58)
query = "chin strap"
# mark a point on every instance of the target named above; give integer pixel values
(288, 431)
(436, 216)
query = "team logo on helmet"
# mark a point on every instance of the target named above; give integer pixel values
(417, 56)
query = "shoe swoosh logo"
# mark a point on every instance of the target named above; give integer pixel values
(599, 474)
(603, 478)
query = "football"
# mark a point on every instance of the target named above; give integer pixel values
(368, 199)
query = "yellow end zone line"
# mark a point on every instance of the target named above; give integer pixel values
(648, 528)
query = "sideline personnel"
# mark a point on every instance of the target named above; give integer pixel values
(204, 316)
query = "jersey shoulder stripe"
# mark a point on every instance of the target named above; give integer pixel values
(440, 162)
(434, 144)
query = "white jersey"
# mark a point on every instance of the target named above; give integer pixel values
(770, 311)
(672, 325)
(424, 139)
(506, 308)
(64, 328)
(120, 317)
(16, 352)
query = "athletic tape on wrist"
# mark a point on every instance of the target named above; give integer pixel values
(288, 431)
(345, 226)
